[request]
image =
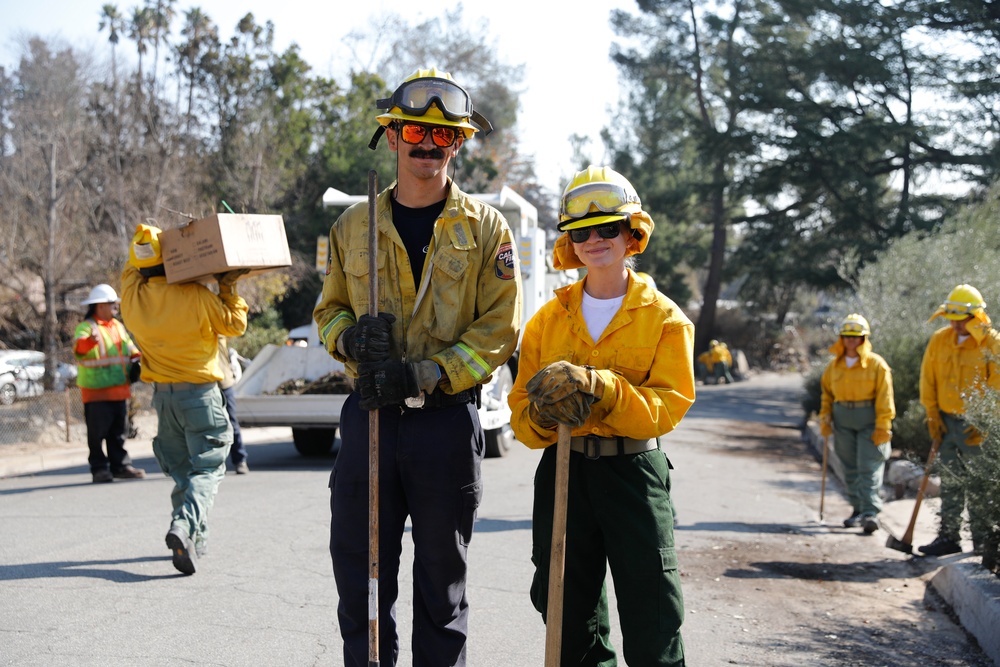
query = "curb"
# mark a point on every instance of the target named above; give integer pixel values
(974, 595)
(972, 591)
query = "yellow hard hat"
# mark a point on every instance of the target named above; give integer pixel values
(594, 196)
(431, 96)
(855, 325)
(145, 249)
(962, 302)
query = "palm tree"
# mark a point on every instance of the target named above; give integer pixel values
(161, 14)
(140, 29)
(201, 36)
(113, 21)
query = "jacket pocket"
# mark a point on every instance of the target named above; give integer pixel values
(451, 282)
(472, 495)
(634, 363)
(356, 272)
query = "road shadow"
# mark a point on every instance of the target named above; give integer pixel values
(90, 569)
(501, 525)
(859, 572)
(752, 528)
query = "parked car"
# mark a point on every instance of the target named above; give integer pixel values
(21, 373)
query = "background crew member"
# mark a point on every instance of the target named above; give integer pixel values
(104, 355)
(177, 327)
(959, 358)
(857, 408)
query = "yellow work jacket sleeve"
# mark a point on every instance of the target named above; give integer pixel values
(950, 369)
(644, 357)
(705, 358)
(464, 311)
(177, 326)
(870, 379)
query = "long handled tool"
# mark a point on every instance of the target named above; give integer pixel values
(557, 558)
(906, 543)
(373, 658)
(822, 487)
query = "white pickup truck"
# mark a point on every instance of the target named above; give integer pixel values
(314, 418)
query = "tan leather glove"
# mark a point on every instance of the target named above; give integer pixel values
(935, 426)
(825, 427)
(544, 421)
(881, 436)
(227, 280)
(973, 436)
(561, 379)
(573, 410)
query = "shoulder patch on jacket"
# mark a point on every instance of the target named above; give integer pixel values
(504, 264)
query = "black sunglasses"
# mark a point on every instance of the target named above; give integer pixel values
(608, 230)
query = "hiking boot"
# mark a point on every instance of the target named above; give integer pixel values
(184, 554)
(853, 520)
(941, 546)
(242, 468)
(128, 472)
(102, 476)
(869, 523)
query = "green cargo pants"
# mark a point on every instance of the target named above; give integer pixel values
(953, 455)
(620, 514)
(862, 461)
(191, 445)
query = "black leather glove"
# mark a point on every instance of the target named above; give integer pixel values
(382, 383)
(369, 339)
(134, 371)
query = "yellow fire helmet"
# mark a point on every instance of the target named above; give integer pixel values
(145, 249)
(855, 325)
(430, 96)
(965, 301)
(596, 196)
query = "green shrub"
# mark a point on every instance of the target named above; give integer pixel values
(262, 329)
(983, 475)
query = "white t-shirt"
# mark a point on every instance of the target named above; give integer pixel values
(597, 313)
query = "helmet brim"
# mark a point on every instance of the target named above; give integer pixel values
(468, 129)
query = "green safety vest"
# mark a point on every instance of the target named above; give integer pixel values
(106, 364)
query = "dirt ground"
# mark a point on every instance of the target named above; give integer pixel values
(812, 593)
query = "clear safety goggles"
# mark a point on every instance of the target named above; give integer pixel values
(416, 97)
(852, 329)
(956, 308)
(606, 197)
(608, 230)
(414, 133)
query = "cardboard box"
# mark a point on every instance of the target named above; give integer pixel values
(219, 243)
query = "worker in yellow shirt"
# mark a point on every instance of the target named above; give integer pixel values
(857, 408)
(958, 360)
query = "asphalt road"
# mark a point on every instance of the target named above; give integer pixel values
(85, 578)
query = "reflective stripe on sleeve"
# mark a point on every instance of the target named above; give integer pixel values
(473, 362)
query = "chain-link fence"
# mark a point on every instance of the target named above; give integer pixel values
(57, 416)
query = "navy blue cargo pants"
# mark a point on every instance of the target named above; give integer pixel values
(429, 471)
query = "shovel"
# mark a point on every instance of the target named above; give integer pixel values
(557, 557)
(906, 543)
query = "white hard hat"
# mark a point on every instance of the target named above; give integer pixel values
(101, 294)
